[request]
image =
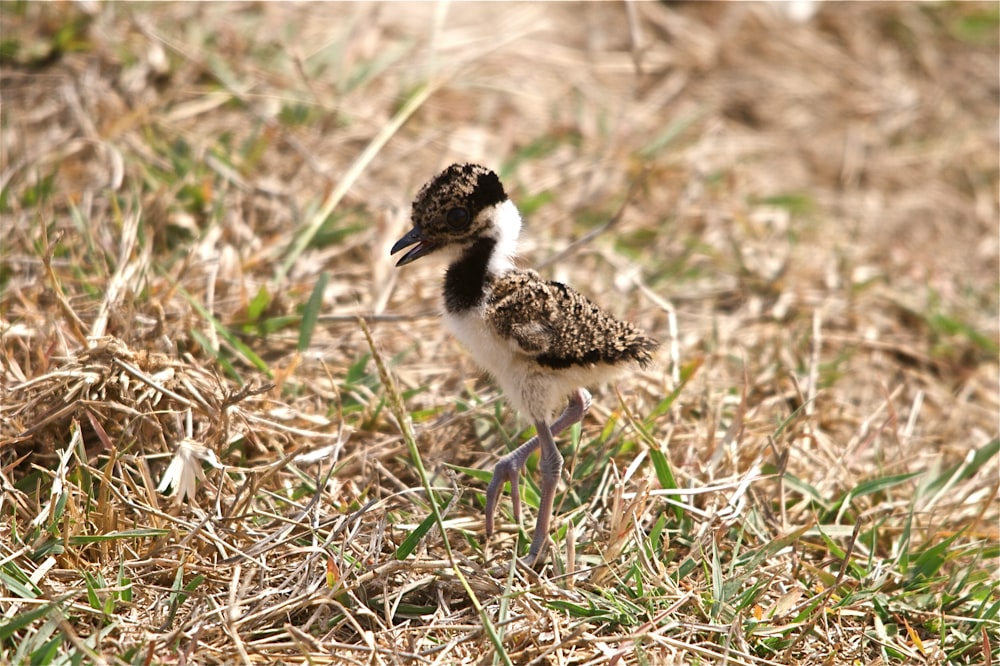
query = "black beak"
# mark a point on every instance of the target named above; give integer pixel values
(414, 235)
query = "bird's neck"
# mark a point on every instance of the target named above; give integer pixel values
(468, 276)
(507, 224)
(492, 255)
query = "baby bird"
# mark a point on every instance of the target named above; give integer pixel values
(542, 341)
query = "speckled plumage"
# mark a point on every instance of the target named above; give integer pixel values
(542, 341)
(559, 327)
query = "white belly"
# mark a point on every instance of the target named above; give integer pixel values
(537, 392)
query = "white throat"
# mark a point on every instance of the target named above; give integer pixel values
(507, 221)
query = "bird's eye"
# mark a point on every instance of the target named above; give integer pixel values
(457, 218)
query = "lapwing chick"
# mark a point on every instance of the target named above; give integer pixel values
(542, 341)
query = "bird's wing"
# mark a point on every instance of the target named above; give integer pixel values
(559, 327)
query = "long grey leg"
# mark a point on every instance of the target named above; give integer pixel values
(509, 467)
(550, 464)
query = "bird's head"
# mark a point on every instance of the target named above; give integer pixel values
(460, 206)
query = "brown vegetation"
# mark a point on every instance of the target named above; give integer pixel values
(206, 458)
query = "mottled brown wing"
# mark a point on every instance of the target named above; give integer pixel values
(558, 326)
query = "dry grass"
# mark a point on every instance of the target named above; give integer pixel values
(204, 460)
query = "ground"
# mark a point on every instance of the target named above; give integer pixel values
(231, 431)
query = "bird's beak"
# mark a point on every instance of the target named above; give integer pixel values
(414, 235)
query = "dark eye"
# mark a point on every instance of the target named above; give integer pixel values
(457, 218)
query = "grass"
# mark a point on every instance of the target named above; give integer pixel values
(231, 431)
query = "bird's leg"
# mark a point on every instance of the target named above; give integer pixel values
(550, 464)
(509, 467)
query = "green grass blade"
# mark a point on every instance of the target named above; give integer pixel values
(17, 582)
(10, 626)
(145, 533)
(410, 543)
(967, 468)
(310, 315)
(665, 475)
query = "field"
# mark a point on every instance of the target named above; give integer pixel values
(232, 431)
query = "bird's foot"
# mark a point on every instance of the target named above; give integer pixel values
(507, 469)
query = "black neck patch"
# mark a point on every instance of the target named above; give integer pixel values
(465, 281)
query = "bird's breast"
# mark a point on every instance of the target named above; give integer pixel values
(534, 390)
(490, 351)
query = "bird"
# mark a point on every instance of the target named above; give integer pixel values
(542, 341)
